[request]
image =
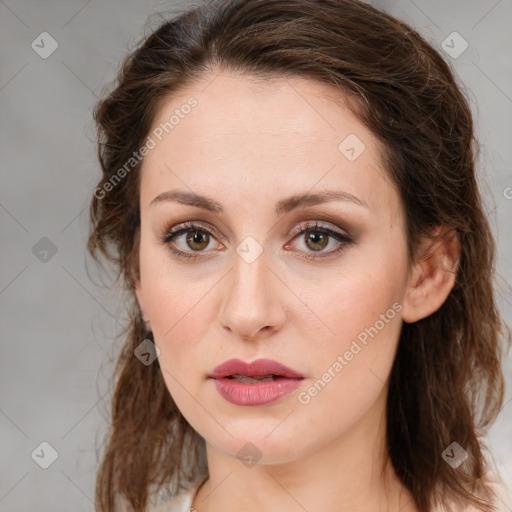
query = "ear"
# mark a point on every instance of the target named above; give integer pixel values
(137, 287)
(433, 274)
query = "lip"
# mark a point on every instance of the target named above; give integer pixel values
(256, 368)
(253, 394)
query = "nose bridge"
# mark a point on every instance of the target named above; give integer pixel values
(251, 302)
(251, 269)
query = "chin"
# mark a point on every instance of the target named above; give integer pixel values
(262, 451)
(261, 442)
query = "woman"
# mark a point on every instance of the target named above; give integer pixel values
(289, 195)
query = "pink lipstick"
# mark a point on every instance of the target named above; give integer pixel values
(260, 382)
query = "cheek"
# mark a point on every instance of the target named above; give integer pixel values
(179, 316)
(179, 321)
(358, 351)
(175, 302)
(349, 370)
(361, 297)
(361, 321)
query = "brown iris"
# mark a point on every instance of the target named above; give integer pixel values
(318, 240)
(198, 240)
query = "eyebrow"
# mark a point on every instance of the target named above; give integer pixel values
(282, 207)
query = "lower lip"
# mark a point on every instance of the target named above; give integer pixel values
(262, 393)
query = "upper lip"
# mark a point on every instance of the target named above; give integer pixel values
(257, 368)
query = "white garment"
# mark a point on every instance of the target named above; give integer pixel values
(183, 502)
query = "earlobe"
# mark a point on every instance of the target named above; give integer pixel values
(433, 275)
(140, 298)
(135, 278)
(138, 290)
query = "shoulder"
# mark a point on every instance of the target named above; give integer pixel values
(183, 501)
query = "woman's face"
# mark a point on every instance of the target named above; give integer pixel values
(252, 282)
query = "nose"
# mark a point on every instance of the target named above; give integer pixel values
(252, 307)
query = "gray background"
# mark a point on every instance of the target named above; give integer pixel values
(57, 324)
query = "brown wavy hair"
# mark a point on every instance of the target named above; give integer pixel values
(446, 382)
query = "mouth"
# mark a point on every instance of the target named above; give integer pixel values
(246, 379)
(258, 383)
(260, 370)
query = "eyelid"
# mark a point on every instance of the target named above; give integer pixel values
(182, 226)
(299, 228)
(315, 225)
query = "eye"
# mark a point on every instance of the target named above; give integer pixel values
(316, 238)
(194, 239)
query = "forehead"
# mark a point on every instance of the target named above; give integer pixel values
(248, 137)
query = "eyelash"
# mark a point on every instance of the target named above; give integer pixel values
(171, 234)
